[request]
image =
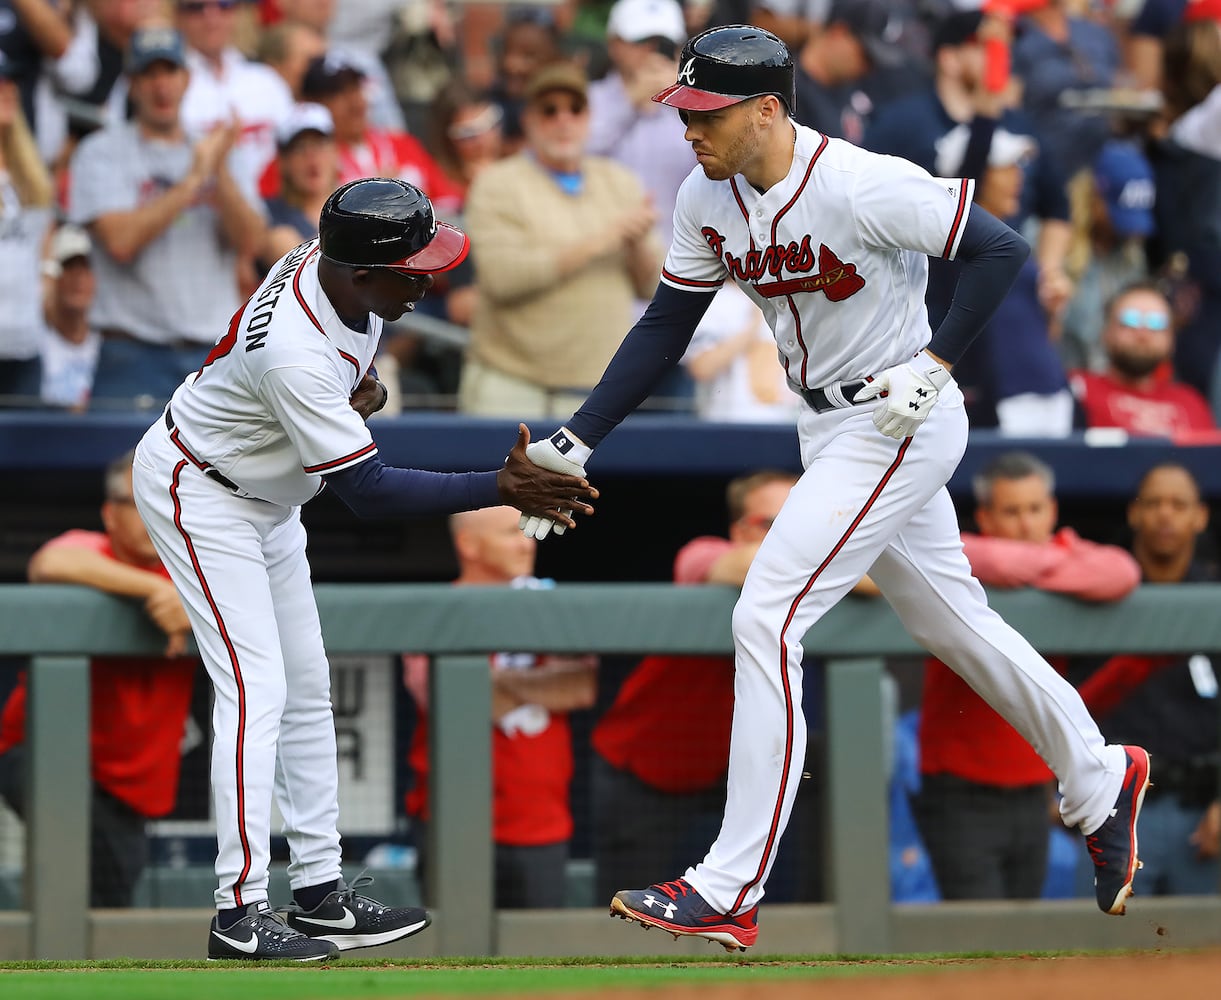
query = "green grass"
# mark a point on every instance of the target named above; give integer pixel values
(416, 978)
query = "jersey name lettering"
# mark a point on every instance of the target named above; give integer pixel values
(834, 278)
(264, 304)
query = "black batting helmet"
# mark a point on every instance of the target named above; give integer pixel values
(385, 222)
(722, 66)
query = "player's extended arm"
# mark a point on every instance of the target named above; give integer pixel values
(651, 348)
(373, 489)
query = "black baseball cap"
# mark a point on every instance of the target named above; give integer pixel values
(876, 26)
(329, 74)
(956, 28)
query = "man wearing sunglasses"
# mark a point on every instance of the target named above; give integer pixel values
(564, 244)
(1137, 392)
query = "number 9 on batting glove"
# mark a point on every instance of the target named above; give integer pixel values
(910, 391)
(562, 452)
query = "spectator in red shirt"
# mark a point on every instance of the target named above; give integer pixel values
(138, 706)
(1136, 392)
(985, 797)
(364, 150)
(532, 761)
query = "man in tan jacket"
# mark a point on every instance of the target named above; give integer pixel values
(562, 243)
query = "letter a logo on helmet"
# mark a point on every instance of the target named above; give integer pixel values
(730, 64)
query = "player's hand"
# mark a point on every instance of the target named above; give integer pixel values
(164, 607)
(545, 493)
(369, 397)
(562, 452)
(909, 390)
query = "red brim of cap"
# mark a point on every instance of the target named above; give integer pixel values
(689, 99)
(444, 252)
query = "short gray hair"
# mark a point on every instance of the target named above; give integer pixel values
(1011, 465)
(117, 473)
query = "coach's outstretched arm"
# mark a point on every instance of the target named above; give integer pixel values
(374, 489)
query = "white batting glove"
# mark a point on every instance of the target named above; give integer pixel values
(911, 390)
(562, 452)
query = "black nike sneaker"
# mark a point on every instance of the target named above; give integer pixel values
(349, 920)
(263, 935)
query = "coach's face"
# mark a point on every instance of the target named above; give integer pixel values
(388, 293)
(725, 141)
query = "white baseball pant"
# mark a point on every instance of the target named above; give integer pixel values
(869, 504)
(239, 565)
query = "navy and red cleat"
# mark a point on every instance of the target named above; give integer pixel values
(1113, 845)
(679, 909)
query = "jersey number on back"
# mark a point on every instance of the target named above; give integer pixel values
(225, 344)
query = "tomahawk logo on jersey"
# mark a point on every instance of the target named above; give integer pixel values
(835, 254)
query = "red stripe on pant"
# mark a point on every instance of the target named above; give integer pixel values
(773, 833)
(237, 676)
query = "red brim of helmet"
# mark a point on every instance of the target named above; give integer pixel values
(445, 251)
(689, 99)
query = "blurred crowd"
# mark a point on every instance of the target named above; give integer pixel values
(158, 156)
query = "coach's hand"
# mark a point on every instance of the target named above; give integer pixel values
(910, 391)
(369, 397)
(544, 485)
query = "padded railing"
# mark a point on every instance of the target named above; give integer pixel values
(61, 626)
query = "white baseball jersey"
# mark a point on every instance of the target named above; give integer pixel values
(835, 254)
(269, 408)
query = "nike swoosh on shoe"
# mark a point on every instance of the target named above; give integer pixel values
(250, 945)
(344, 923)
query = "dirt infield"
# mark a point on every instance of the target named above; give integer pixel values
(1180, 975)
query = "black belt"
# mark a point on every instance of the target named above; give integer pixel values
(204, 467)
(819, 401)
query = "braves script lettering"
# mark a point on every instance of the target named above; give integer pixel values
(834, 278)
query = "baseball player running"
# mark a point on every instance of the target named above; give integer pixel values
(832, 242)
(276, 414)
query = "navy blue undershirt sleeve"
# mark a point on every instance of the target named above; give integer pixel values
(374, 489)
(651, 348)
(991, 254)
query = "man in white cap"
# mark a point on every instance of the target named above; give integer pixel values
(70, 346)
(643, 39)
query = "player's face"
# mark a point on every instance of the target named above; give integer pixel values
(1138, 335)
(389, 294)
(1022, 510)
(1167, 514)
(724, 141)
